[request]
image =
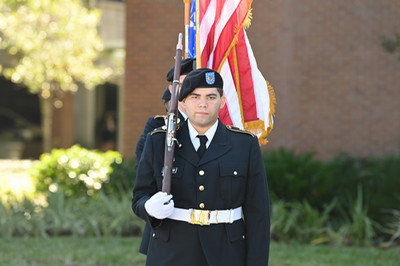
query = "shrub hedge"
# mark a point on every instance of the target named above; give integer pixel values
(293, 178)
(344, 201)
(77, 171)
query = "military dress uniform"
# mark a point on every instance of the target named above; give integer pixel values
(152, 123)
(157, 121)
(187, 65)
(229, 176)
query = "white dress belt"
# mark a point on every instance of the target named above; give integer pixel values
(205, 217)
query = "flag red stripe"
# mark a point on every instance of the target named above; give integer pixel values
(208, 47)
(246, 80)
(224, 116)
(220, 21)
(226, 36)
(228, 33)
(203, 7)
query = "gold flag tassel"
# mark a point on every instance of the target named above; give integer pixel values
(272, 102)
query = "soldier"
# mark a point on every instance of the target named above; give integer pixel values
(154, 122)
(218, 211)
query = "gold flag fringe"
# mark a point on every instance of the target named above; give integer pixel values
(272, 102)
(249, 17)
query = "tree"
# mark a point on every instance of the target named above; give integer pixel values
(54, 45)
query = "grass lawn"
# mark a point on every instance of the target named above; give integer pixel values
(124, 251)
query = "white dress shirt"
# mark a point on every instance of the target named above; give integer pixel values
(209, 133)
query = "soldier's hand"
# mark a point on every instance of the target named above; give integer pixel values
(160, 205)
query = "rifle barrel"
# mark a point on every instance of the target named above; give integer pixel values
(170, 142)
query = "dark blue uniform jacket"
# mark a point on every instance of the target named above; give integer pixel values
(151, 124)
(232, 173)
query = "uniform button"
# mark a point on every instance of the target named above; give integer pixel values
(201, 205)
(243, 236)
(154, 234)
(234, 172)
(201, 188)
(201, 172)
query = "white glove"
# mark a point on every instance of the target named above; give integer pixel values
(160, 205)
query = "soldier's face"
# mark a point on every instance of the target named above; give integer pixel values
(202, 107)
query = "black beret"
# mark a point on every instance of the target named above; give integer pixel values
(200, 78)
(167, 94)
(187, 66)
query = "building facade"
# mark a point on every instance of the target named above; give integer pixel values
(337, 88)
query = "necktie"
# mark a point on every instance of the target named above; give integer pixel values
(202, 148)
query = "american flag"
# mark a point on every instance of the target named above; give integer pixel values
(221, 43)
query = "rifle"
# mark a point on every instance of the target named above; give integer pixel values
(172, 115)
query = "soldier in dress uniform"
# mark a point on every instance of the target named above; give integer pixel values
(157, 121)
(152, 123)
(218, 212)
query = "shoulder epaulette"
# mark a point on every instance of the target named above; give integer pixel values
(159, 129)
(162, 129)
(160, 116)
(238, 130)
(166, 117)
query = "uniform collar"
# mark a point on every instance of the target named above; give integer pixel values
(185, 116)
(219, 146)
(209, 134)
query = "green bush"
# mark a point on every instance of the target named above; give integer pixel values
(292, 177)
(76, 170)
(356, 226)
(344, 201)
(379, 179)
(106, 215)
(300, 222)
(21, 218)
(122, 176)
(299, 177)
(393, 226)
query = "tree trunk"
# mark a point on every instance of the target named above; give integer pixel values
(46, 108)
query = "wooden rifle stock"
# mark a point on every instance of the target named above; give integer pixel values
(170, 140)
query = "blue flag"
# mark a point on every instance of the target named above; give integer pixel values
(192, 31)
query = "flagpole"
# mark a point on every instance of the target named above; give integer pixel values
(198, 50)
(187, 24)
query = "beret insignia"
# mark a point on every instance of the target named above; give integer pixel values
(210, 78)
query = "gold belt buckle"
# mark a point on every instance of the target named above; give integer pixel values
(200, 217)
